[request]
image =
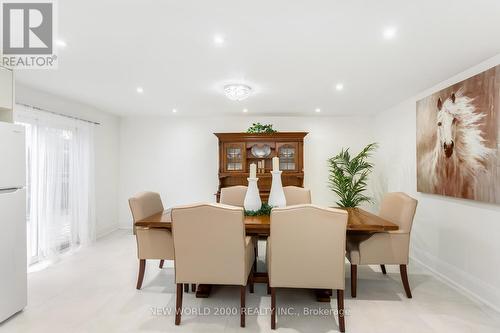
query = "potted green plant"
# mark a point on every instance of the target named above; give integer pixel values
(259, 128)
(265, 210)
(349, 175)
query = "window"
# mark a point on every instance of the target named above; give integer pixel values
(59, 161)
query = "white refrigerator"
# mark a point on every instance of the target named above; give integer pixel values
(13, 266)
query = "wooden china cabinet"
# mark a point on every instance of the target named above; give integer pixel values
(238, 150)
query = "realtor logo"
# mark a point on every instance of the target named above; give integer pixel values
(27, 28)
(28, 34)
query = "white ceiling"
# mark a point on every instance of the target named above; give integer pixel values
(291, 52)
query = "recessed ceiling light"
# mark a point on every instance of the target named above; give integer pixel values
(140, 90)
(339, 86)
(174, 110)
(219, 39)
(60, 43)
(389, 32)
(245, 110)
(317, 110)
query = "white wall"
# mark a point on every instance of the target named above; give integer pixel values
(458, 239)
(106, 150)
(178, 156)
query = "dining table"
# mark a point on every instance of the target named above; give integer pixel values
(361, 225)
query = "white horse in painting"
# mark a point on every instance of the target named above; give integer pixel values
(459, 155)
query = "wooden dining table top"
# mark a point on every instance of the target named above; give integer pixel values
(359, 221)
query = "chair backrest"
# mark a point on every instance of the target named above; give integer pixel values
(307, 247)
(209, 244)
(399, 208)
(145, 204)
(233, 195)
(295, 195)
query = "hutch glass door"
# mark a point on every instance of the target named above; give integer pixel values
(287, 152)
(234, 157)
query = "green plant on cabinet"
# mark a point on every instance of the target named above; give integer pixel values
(259, 128)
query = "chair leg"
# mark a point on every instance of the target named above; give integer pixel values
(193, 287)
(383, 269)
(250, 282)
(273, 308)
(256, 254)
(243, 290)
(142, 268)
(161, 263)
(340, 309)
(178, 304)
(186, 287)
(268, 289)
(404, 278)
(354, 277)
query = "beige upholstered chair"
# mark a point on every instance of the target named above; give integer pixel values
(388, 248)
(306, 249)
(295, 195)
(151, 243)
(233, 195)
(211, 248)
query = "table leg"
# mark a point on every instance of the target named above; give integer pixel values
(260, 277)
(203, 290)
(323, 295)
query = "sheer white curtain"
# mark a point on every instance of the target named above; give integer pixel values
(60, 183)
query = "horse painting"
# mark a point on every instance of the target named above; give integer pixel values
(457, 140)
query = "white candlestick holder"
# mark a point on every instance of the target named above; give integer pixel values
(252, 200)
(277, 195)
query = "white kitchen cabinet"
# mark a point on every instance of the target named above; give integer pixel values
(6, 94)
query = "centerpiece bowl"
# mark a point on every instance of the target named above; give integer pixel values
(261, 151)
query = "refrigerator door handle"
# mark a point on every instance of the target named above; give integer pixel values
(9, 190)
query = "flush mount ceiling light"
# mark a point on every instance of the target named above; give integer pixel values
(339, 86)
(140, 90)
(237, 92)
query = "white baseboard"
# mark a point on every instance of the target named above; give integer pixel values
(106, 231)
(459, 279)
(123, 227)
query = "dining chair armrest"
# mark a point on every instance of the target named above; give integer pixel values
(382, 248)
